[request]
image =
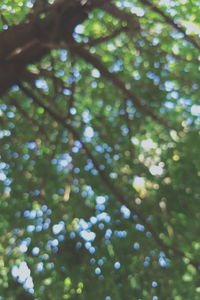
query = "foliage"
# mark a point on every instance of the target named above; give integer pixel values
(100, 162)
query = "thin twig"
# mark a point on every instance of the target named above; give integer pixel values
(94, 42)
(27, 116)
(72, 89)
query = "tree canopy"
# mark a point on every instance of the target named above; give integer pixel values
(99, 149)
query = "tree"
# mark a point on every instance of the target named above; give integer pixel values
(99, 142)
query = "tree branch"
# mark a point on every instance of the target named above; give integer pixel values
(122, 15)
(93, 60)
(26, 42)
(171, 22)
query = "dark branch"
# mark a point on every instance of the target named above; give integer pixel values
(124, 16)
(171, 22)
(142, 107)
(28, 41)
